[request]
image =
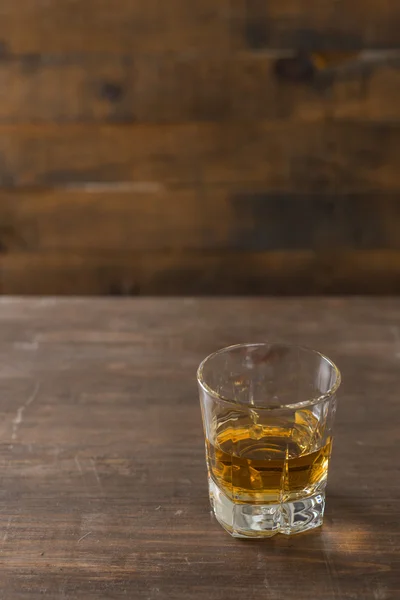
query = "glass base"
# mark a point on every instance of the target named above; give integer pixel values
(266, 520)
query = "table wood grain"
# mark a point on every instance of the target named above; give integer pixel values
(103, 484)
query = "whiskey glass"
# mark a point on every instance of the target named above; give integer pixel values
(268, 412)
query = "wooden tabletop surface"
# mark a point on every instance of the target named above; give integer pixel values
(103, 484)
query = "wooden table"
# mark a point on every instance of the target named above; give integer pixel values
(103, 483)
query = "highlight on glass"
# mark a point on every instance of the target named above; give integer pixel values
(268, 412)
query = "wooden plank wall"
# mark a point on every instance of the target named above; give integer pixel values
(210, 146)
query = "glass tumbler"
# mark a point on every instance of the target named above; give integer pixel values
(268, 412)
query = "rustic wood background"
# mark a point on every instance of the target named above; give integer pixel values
(210, 146)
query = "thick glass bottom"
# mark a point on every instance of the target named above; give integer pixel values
(266, 520)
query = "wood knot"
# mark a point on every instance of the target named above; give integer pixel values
(112, 92)
(305, 67)
(295, 69)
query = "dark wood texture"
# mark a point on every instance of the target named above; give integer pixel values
(214, 272)
(103, 481)
(187, 87)
(149, 239)
(37, 26)
(283, 155)
(226, 218)
(202, 146)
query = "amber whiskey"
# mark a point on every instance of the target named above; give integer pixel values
(256, 463)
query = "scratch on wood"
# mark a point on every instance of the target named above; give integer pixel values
(5, 536)
(62, 589)
(205, 562)
(78, 464)
(84, 536)
(273, 594)
(95, 472)
(20, 411)
(178, 513)
(331, 572)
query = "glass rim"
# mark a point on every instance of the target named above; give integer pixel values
(302, 404)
